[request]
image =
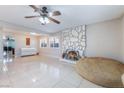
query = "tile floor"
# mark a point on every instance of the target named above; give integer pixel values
(41, 72)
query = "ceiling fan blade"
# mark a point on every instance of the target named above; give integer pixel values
(56, 13)
(31, 16)
(54, 20)
(34, 7)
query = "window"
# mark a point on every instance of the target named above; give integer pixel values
(54, 42)
(43, 42)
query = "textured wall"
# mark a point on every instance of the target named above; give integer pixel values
(74, 39)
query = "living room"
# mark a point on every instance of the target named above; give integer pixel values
(49, 51)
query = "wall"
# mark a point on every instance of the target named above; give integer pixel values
(22, 44)
(123, 39)
(18, 32)
(74, 39)
(20, 41)
(47, 51)
(104, 39)
(1, 46)
(67, 36)
(52, 52)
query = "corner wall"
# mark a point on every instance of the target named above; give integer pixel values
(104, 39)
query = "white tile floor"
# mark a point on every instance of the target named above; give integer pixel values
(41, 72)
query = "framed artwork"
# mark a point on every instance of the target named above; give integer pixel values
(27, 41)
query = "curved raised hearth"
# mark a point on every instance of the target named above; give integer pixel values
(102, 71)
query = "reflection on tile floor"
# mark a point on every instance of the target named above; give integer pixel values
(40, 72)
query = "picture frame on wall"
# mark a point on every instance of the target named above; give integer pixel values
(27, 41)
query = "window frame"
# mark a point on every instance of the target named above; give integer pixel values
(45, 40)
(54, 41)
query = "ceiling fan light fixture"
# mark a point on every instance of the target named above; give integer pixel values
(47, 20)
(50, 14)
(45, 16)
(44, 20)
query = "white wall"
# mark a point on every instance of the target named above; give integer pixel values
(104, 39)
(53, 52)
(20, 41)
(123, 39)
(1, 46)
(50, 52)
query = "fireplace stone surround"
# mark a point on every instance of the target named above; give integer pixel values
(73, 43)
(71, 55)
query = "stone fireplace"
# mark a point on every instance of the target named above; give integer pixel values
(71, 55)
(74, 43)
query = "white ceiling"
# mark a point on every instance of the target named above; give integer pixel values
(72, 15)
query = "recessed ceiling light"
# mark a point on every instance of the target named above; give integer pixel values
(50, 14)
(33, 33)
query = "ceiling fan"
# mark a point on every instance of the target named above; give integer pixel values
(44, 15)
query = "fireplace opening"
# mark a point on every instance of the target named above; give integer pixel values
(71, 55)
